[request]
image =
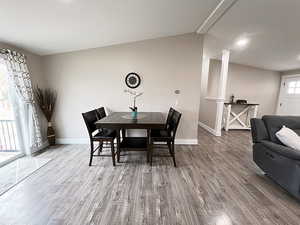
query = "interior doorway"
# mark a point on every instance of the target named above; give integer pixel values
(289, 98)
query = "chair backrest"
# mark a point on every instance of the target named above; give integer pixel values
(170, 114)
(174, 122)
(90, 118)
(101, 113)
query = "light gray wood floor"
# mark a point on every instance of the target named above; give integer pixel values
(215, 183)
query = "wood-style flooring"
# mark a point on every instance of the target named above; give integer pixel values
(215, 183)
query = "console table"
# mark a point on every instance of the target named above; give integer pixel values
(239, 120)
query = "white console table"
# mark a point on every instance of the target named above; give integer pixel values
(239, 120)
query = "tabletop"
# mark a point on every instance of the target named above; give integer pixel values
(234, 103)
(145, 120)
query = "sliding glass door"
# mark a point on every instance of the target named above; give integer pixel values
(9, 141)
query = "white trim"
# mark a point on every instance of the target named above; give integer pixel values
(186, 141)
(209, 129)
(222, 91)
(67, 141)
(219, 118)
(215, 15)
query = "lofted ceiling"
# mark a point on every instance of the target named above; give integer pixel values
(272, 27)
(54, 26)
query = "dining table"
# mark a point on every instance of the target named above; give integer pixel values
(122, 121)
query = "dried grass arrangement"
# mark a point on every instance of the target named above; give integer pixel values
(46, 99)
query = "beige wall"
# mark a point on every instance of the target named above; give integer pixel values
(36, 71)
(91, 78)
(256, 85)
(290, 72)
(250, 83)
(245, 82)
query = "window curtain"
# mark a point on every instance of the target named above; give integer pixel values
(19, 78)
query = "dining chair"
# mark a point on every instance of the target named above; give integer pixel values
(167, 135)
(169, 117)
(96, 135)
(101, 113)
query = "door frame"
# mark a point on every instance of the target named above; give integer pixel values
(282, 88)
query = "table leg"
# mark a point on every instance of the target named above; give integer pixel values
(118, 145)
(123, 133)
(149, 147)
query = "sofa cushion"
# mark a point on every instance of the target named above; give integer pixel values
(275, 123)
(282, 150)
(288, 137)
(258, 130)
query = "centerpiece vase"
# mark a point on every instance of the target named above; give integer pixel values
(134, 114)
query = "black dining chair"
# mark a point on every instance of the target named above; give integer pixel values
(96, 135)
(167, 135)
(169, 117)
(101, 113)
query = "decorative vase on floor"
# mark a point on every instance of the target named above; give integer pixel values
(46, 99)
(50, 134)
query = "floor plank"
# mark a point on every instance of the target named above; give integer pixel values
(216, 183)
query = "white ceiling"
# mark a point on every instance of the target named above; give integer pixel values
(272, 27)
(55, 26)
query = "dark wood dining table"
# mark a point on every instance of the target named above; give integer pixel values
(122, 121)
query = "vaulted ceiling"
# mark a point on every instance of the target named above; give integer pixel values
(54, 26)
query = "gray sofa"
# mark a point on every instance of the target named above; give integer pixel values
(279, 162)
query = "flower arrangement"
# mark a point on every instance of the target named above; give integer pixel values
(135, 96)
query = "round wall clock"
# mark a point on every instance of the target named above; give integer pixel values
(133, 80)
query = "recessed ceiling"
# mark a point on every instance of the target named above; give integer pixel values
(272, 27)
(54, 26)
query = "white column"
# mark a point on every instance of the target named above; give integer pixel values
(222, 91)
(204, 75)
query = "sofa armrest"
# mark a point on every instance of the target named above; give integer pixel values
(258, 130)
(282, 150)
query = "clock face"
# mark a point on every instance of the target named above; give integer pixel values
(133, 80)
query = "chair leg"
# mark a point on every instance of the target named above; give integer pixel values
(169, 147)
(91, 154)
(100, 147)
(151, 152)
(118, 147)
(173, 154)
(112, 147)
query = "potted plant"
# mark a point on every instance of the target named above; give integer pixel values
(46, 99)
(134, 108)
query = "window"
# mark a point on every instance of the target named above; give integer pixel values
(293, 87)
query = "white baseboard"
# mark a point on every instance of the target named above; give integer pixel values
(66, 141)
(186, 141)
(209, 129)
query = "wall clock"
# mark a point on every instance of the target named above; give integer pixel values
(133, 80)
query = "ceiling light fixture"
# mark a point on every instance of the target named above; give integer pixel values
(242, 42)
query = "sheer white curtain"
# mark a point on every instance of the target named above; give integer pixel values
(19, 78)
